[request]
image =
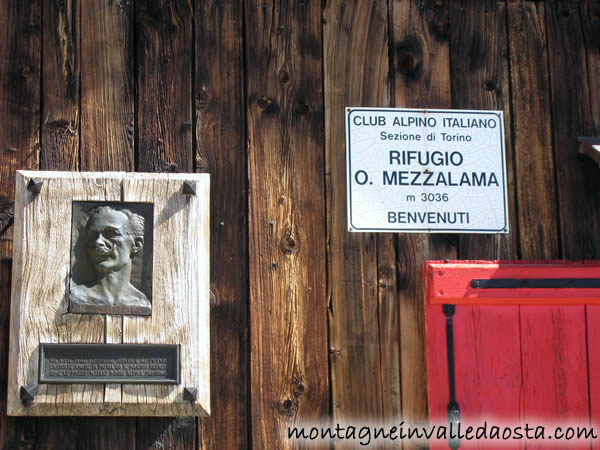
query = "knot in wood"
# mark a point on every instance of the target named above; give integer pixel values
(169, 167)
(301, 108)
(490, 85)
(267, 104)
(129, 129)
(440, 27)
(289, 244)
(410, 56)
(7, 213)
(27, 72)
(172, 28)
(201, 101)
(284, 76)
(299, 390)
(288, 407)
(185, 126)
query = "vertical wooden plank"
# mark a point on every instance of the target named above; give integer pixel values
(20, 52)
(480, 80)
(164, 58)
(220, 149)
(572, 117)
(57, 432)
(107, 89)
(488, 366)
(356, 74)
(106, 433)
(421, 76)
(179, 431)
(107, 143)
(593, 344)
(437, 364)
(555, 377)
(22, 433)
(288, 309)
(19, 89)
(534, 165)
(590, 18)
(60, 90)
(164, 68)
(471, 370)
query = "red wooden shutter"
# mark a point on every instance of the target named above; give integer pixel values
(526, 344)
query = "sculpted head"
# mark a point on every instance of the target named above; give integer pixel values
(114, 237)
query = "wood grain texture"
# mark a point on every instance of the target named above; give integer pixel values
(56, 432)
(572, 117)
(555, 372)
(593, 345)
(164, 57)
(532, 124)
(590, 20)
(288, 307)
(22, 433)
(107, 85)
(60, 86)
(221, 150)
(19, 89)
(8, 427)
(480, 80)
(421, 79)
(356, 36)
(180, 286)
(180, 280)
(176, 433)
(34, 318)
(20, 52)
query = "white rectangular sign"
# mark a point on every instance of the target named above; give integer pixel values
(419, 171)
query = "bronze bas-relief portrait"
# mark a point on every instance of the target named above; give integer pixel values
(111, 258)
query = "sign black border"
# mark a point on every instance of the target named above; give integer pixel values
(349, 110)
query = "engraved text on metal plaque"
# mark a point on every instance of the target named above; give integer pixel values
(109, 363)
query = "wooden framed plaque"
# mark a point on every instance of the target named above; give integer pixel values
(110, 295)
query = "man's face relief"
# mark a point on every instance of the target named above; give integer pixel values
(110, 246)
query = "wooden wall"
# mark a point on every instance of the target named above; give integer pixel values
(308, 321)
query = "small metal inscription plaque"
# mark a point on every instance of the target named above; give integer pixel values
(109, 363)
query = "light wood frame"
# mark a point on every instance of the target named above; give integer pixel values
(180, 286)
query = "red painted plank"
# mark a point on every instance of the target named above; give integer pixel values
(437, 364)
(451, 283)
(593, 348)
(488, 367)
(555, 376)
(437, 368)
